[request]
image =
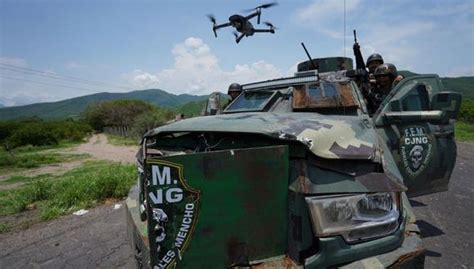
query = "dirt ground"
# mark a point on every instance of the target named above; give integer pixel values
(99, 148)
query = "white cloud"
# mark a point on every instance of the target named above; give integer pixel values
(462, 71)
(24, 98)
(322, 11)
(75, 65)
(397, 45)
(449, 9)
(196, 70)
(13, 61)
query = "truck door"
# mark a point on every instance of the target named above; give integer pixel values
(416, 121)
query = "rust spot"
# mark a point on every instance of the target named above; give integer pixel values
(406, 258)
(302, 172)
(286, 263)
(207, 231)
(237, 252)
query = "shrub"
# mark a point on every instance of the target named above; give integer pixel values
(467, 111)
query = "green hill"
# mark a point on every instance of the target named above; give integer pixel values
(190, 105)
(464, 85)
(74, 106)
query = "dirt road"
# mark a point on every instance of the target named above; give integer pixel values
(99, 148)
(98, 238)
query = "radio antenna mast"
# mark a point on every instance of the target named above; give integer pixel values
(344, 28)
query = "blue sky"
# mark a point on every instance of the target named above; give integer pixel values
(132, 45)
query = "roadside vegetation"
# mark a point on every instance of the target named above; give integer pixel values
(33, 142)
(137, 116)
(122, 141)
(31, 157)
(37, 132)
(83, 187)
(465, 125)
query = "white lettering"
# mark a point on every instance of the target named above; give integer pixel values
(416, 140)
(185, 225)
(174, 195)
(419, 130)
(163, 178)
(167, 259)
(158, 198)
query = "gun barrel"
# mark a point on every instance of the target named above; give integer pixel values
(309, 56)
(355, 36)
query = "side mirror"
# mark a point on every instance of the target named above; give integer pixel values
(448, 102)
(411, 116)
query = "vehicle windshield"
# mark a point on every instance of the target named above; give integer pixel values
(251, 101)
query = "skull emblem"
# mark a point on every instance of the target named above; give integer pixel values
(161, 218)
(416, 156)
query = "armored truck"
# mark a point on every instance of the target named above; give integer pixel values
(294, 173)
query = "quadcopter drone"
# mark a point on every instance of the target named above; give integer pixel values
(242, 23)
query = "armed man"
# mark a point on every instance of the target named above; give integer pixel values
(372, 88)
(235, 89)
(385, 77)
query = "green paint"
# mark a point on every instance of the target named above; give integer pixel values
(242, 210)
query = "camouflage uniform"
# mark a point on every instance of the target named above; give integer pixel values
(382, 88)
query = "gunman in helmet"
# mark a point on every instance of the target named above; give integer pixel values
(235, 89)
(385, 75)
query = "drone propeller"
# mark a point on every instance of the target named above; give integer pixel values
(213, 20)
(268, 5)
(262, 6)
(270, 25)
(258, 9)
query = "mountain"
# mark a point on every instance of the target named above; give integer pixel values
(74, 106)
(1, 106)
(463, 85)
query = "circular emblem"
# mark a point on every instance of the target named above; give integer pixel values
(415, 148)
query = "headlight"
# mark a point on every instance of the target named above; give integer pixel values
(355, 217)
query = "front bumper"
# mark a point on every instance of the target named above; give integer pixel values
(393, 250)
(403, 249)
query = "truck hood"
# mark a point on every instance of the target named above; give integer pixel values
(332, 137)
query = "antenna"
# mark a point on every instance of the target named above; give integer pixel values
(344, 28)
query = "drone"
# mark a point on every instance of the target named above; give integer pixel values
(242, 23)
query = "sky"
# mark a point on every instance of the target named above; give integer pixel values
(52, 50)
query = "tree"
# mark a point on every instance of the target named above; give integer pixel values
(115, 113)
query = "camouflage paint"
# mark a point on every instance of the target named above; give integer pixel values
(332, 137)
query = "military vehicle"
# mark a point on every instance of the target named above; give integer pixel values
(295, 174)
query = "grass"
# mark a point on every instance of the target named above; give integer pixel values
(4, 227)
(464, 131)
(31, 157)
(23, 179)
(121, 141)
(82, 187)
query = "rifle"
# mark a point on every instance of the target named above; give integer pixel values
(357, 53)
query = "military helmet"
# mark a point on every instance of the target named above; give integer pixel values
(374, 57)
(386, 69)
(234, 87)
